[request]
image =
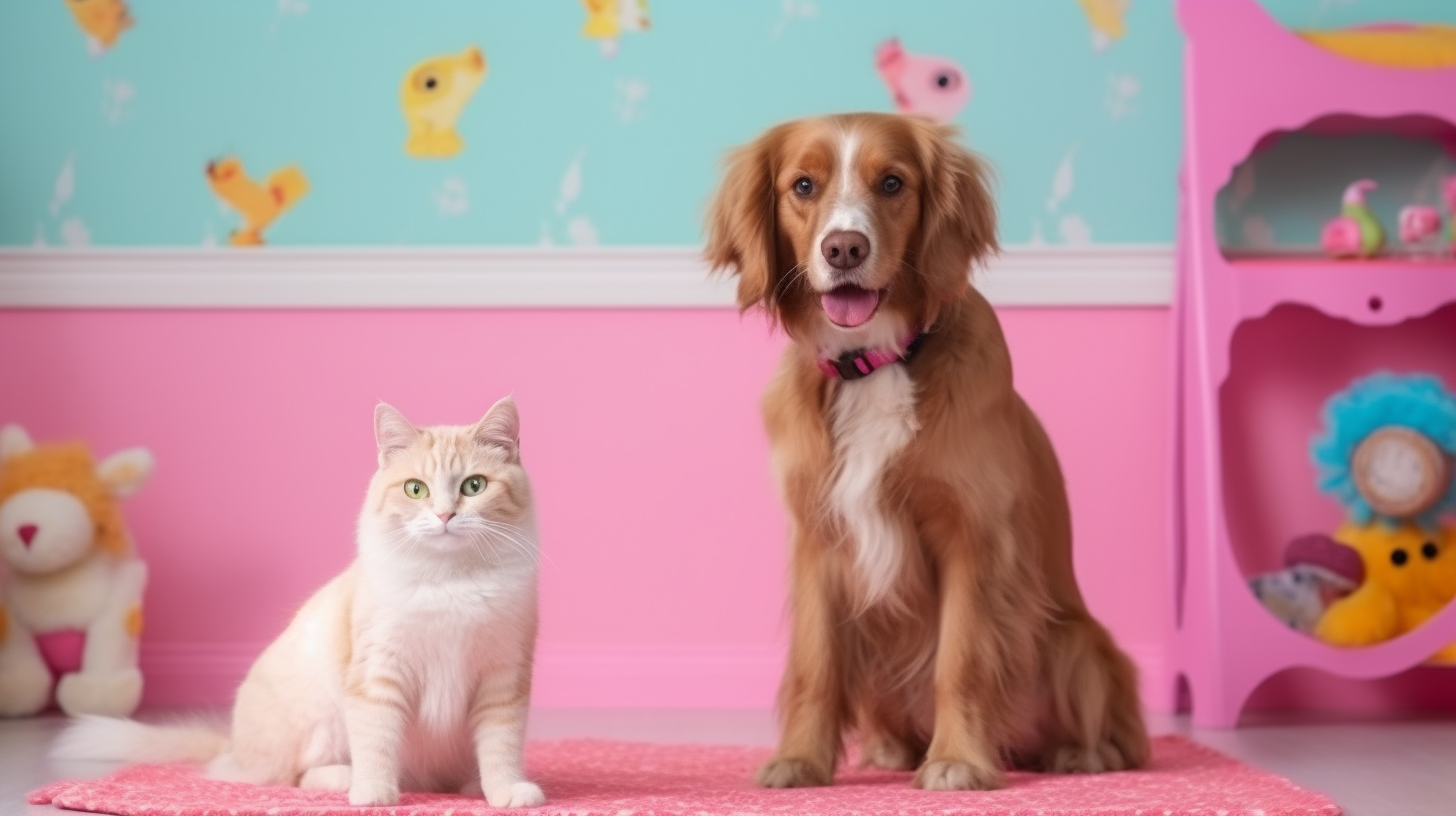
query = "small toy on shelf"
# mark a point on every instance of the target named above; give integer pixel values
(1354, 233)
(1420, 229)
(1317, 572)
(1387, 448)
(1386, 455)
(70, 607)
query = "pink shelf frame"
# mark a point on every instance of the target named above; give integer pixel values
(1247, 79)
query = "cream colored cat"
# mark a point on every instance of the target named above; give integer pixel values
(412, 669)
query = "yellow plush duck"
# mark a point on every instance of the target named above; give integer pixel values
(1410, 575)
(433, 95)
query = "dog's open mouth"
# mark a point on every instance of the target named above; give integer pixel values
(849, 305)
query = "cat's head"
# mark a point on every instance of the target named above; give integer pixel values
(451, 488)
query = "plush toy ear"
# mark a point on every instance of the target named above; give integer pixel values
(14, 441)
(501, 428)
(124, 472)
(392, 432)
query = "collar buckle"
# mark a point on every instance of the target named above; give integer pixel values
(853, 365)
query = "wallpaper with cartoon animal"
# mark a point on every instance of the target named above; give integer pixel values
(374, 122)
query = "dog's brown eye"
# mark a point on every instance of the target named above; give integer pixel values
(804, 186)
(892, 184)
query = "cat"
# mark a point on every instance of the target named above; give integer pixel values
(411, 670)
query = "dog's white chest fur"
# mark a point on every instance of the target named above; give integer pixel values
(872, 421)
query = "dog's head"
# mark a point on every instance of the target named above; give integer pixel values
(852, 229)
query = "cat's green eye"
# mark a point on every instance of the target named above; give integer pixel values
(416, 489)
(473, 486)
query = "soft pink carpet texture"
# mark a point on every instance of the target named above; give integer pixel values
(600, 778)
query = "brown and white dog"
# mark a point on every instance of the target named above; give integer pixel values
(935, 610)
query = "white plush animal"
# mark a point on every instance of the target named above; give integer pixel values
(70, 601)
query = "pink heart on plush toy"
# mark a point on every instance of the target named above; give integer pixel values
(62, 650)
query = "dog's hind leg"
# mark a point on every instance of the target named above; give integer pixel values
(1095, 719)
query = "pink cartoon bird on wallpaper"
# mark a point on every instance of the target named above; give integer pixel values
(258, 204)
(102, 21)
(433, 95)
(607, 20)
(921, 83)
(1108, 21)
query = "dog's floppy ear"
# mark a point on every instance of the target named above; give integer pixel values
(742, 223)
(958, 215)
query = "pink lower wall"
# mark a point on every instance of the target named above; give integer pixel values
(664, 576)
(663, 583)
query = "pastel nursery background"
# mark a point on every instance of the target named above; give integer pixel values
(144, 138)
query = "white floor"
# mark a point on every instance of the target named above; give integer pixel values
(1371, 769)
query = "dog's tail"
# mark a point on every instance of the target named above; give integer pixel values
(112, 739)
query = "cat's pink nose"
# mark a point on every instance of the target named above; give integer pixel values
(27, 532)
(445, 517)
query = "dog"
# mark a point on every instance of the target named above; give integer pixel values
(935, 613)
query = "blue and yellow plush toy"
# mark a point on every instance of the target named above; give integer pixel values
(1386, 454)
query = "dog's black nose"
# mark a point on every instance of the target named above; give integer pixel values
(845, 249)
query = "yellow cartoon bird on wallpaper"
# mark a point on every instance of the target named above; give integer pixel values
(606, 20)
(101, 20)
(258, 204)
(1107, 20)
(433, 95)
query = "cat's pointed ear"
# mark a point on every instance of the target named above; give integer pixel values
(501, 428)
(392, 432)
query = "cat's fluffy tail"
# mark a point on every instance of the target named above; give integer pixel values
(111, 739)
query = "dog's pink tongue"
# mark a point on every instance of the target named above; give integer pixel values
(849, 306)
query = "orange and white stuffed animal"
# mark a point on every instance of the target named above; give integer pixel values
(70, 605)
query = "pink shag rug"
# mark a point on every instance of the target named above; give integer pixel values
(602, 778)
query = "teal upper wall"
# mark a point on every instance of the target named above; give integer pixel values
(563, 143)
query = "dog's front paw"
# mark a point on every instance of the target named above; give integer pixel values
(787, 772)
(949, 775)
(516, 795)
(373, 792)
(107, 694)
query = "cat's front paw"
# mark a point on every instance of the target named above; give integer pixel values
(373, 792)
(515, 795)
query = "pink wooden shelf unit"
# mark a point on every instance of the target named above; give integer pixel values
(1247, 80)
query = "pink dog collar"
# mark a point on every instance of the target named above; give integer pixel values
(860, 363)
